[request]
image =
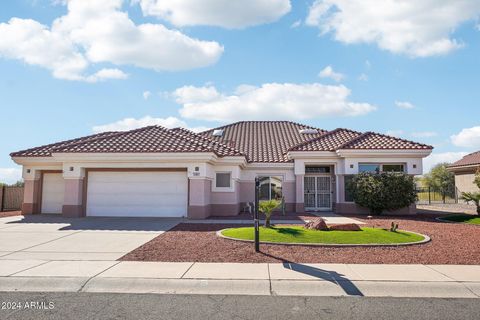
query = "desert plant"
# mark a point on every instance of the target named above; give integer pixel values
(384, 191)
(267, 207)
(474, 197)
(394, 227)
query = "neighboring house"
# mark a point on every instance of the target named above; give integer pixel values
(464, 170)
(155, 171)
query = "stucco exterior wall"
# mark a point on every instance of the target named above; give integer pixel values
(464, 182)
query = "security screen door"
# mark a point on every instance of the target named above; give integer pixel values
(317, 192)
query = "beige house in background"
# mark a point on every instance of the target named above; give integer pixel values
(159, 172)
(464, 170)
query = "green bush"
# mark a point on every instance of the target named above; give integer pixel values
(384, 191)
(267, 207)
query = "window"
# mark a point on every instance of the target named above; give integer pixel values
(373, 168)
(270, 188)
(223, 179)
(317, 169)
(377, 168)
(348, 194)
(392, 168)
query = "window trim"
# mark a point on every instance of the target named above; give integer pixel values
(223, 189)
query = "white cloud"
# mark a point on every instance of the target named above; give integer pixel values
(394, 133)
(221, 13)
(436, 158)
(328, 72)
(468, 137)
(424, 134)
(132, 123)
(146, 94)
(105, 74)
(296, 24)
(415, 28)
(10, 175)
(404, 104)
(271, 101)
(99, 32)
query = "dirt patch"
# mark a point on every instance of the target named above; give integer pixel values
(451, 244)
(10, 214)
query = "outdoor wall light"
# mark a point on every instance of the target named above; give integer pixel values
(414, 166)
(197, 169)
(351, 166)
(71, 168)
(28, 170)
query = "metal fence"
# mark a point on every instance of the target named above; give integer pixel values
(433, 195)
(11, 198)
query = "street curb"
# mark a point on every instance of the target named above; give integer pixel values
(456, 222)
(425, 240)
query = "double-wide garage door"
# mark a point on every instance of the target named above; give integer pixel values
(137, 194)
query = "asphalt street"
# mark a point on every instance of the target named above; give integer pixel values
(154, 306)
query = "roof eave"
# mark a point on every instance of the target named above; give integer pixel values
(401, 153)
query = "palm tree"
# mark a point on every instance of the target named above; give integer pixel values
(267, 207)
(474, 197)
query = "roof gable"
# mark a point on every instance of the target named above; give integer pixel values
(329, 141)
(471, 159)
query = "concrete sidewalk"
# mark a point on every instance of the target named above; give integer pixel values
(446, 281)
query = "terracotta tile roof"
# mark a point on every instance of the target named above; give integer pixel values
(471, 159)
(45, 151)
(264, 141)
(329, 141)
(147, 139)
(258, 141)
(372, 140)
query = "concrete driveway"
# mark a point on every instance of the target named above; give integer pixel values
(49, 237)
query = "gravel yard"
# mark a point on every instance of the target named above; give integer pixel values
(451, 244)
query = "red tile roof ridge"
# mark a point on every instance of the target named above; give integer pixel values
(191, 133)
(260, 121)
(70, 142)
(116, 134)
(326, 134)
(368, 133)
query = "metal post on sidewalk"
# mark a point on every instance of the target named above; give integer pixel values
(256, 222)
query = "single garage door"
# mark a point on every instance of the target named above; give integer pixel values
(53, 190)
(137, 194)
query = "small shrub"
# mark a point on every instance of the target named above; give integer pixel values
(267, 207)
(473, 197)
(394, 227)
(384, 191)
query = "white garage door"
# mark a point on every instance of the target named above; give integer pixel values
(137, 194)
(53, 189)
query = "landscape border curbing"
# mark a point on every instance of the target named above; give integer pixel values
(425, 240)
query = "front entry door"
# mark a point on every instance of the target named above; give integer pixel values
(318, 192)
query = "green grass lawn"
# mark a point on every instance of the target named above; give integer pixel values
(466, 218)
(297, 234)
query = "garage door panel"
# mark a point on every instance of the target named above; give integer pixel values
(53, 191)
(137, 194)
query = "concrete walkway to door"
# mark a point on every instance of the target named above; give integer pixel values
(50, 237)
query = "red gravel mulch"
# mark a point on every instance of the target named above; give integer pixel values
(10, 214)
(451, 244)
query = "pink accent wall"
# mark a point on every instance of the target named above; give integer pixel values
(299, 188)
(200, 192)
(31, 197)
(73, 192)
(247, 191)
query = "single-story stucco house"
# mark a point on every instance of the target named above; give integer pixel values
(464, 170)
(154, 171)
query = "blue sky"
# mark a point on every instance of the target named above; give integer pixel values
(99, 64)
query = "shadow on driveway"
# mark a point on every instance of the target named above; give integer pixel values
(101, 223)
